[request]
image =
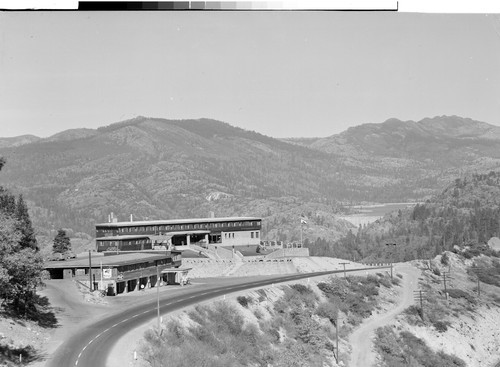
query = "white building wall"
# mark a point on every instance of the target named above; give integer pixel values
(240, 238)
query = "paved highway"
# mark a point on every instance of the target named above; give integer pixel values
(89, 346)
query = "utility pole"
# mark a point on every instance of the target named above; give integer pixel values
(344, 268)
(391, 244)
(336, 354)
(419, 296)
(445, 277)
(158, 295)
(476, 270)
(337, 339)
(91, 286)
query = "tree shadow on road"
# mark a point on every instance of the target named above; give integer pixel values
(42, 312)
(38, 309)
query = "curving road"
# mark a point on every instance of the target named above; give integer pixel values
(361, 339)
(90, 346)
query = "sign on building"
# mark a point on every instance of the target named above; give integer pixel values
(107, 273)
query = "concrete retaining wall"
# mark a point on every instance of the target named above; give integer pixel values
(289, 252)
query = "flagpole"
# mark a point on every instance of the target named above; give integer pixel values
(301, 245)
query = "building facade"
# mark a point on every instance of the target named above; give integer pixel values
(123, 273)
(177, 234)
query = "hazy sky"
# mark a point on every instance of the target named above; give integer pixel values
(284, 74)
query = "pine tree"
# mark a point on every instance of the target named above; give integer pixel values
(20, 264)
(62, 243)
(28, 239)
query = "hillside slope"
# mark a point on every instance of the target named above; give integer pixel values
(414, 157)
(466, 212)
(156, 168)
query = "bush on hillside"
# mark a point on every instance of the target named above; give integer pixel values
(244, 301)
(396, 281)
(328, 310)
(441, 326)
(445, 259)
(488, 273)
(458, 293)
(407, 349)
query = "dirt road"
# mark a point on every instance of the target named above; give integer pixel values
(362, 338)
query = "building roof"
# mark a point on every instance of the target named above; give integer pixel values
(177, 221)
(125, 237)
(107, 261)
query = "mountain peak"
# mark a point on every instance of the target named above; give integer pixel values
(460, 127)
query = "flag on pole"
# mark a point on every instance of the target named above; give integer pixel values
(303, 221)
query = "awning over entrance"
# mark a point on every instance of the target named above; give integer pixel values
(160, 239)
(180, 233)
(165, 271)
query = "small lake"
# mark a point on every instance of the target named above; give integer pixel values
(370, 213)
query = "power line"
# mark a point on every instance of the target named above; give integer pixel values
(344, 268)
(419, 295)
(479, 270)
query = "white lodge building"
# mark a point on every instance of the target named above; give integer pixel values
(177, 233)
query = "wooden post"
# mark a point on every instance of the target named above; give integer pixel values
(91, 285)
(337, 339)
(158, 294)
(422, 304)
(344, 268)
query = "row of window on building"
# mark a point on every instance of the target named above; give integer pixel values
(231, 235)
(176, 227)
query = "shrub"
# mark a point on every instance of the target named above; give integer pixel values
(396, 281)
(445, 259)
(372, 279)
(436, 270)
(413, 310)
(387, 282)
(458, 293)
(334, 287)
(441, 326)
(302, 289)
(328, 310)
(244, 301)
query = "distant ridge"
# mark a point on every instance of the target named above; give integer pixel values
(17, 141)
(157, 168)
(71, 134)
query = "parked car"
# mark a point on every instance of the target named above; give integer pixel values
(57, 256)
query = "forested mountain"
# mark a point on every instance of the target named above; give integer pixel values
(413, 159)
(156, 168)
(467, 212)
